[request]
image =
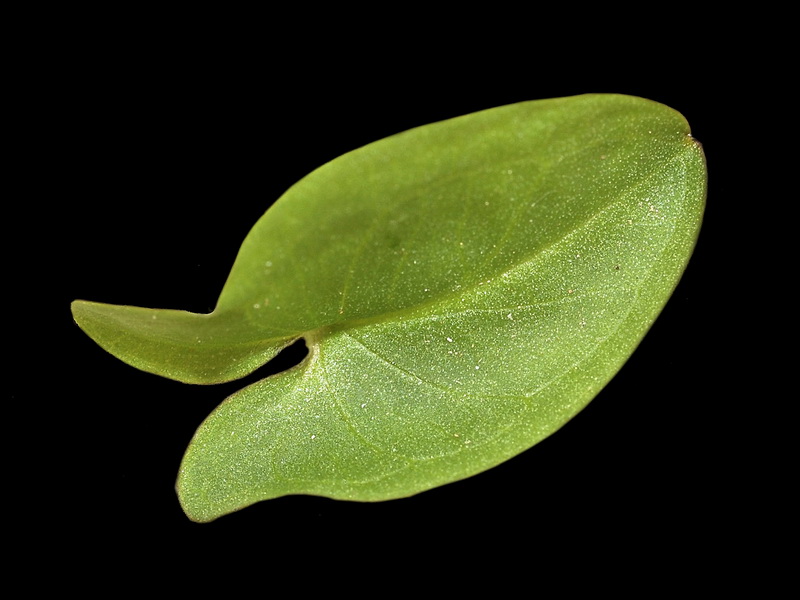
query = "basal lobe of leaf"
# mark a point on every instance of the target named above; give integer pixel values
(184, 346)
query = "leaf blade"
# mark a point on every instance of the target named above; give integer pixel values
(555, 228)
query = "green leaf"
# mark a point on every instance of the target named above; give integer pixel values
(464, 288)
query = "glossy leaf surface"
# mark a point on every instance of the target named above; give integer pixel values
(464, 289)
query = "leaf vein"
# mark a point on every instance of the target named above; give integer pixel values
(344, 414)
(400, 369)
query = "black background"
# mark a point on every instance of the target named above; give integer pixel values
(151, 151)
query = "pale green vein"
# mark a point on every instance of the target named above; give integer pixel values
(400, 369)
(343, 413)
(351, 269)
